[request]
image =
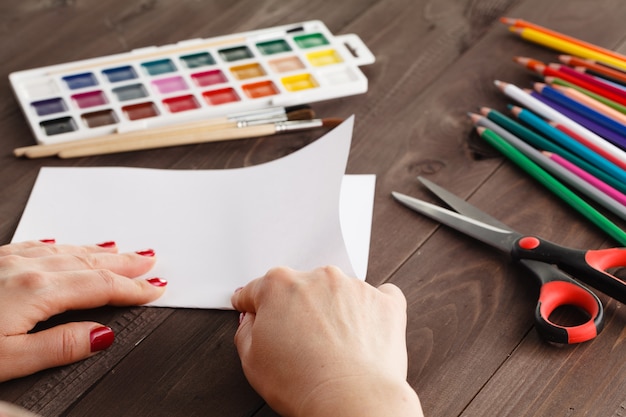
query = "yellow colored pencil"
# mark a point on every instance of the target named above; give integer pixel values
(561, 45)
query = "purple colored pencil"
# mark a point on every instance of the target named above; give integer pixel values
(600, 130)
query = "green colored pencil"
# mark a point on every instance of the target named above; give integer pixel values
(553, 185)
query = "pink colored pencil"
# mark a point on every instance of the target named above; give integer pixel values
(600, 185)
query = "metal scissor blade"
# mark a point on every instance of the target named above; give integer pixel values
(497, 237)
(462, 206)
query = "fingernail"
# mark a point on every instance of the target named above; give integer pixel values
(241, 317)
(101, 338)
(47, 240)
(109, 244)
(157, 282)
(145, 252)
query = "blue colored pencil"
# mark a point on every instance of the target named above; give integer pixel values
(582, 109)
(605, 134)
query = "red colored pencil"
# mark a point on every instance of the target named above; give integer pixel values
(607, 155)
(546, 71)
(589, 79)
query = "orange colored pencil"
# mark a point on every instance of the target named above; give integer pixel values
(521, 23)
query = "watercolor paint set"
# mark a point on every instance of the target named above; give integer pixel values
(191, 80)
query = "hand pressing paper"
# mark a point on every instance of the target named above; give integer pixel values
(215, 230)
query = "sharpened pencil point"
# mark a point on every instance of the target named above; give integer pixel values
(485, 110)
(507, 20)
(474, 117)
(480, 129)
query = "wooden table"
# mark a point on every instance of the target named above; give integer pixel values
(472, 345)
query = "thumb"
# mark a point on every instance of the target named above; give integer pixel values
(25, 354)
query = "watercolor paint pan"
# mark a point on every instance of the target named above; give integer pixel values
(196, 79)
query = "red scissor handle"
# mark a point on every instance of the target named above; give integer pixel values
(556, 294)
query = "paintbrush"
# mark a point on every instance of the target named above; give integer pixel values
(243, 119)
(195, 136)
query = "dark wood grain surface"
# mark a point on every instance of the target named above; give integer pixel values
(472, 346)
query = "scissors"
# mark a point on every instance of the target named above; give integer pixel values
(549, 262)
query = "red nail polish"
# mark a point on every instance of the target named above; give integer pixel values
(145, 252)
(47, 241)
(101, 338)
(109, 244)
(157, 282)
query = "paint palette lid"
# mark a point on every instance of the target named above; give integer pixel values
(192, 80)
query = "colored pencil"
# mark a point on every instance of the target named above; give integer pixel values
(553, 185)
(548, 71)
(549, 113)
(599, 83)
(195, 136)
(580, 108)
(596, 67)
(568, 143)
(610, 138)
(540, 142)
(591, 103)
(520, 23)
(554, 168)
(588, 144)
(567, 47)
(595, 182)
(599, 75)
(613, 104)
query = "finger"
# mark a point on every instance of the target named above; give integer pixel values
(248, 298)
(37, 248)
(128, 264)
(243, 298)
(243, 336)
(394, 292)
(10, 410)
(91, 289)
(61, 345)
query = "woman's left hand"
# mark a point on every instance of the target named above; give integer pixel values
(39, 279)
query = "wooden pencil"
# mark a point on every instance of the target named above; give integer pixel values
(574, 61)
(557, 169)
(549, 113)
(552, 184)
(521, 23)
(599, 97)
(548, 71)
(566, 46)
(591, 102)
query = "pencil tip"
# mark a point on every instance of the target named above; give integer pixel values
(331, 122)
(474, 117)
(480, 129)
(485, 110)
(507, 20)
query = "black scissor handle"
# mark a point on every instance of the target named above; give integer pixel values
(588, 266)
(558, 290)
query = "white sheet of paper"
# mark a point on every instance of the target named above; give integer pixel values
(215, 230)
